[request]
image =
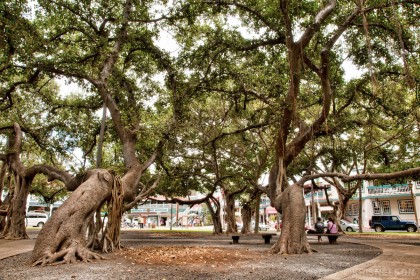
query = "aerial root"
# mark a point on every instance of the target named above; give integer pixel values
(71, 254)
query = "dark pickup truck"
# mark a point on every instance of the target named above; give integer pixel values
(390, 222)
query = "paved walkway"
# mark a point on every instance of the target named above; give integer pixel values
(397, 260)
(10, 248)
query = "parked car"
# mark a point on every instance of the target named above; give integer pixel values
(261, 226)
(347, 226)
(390, 222)
(239, 226)
(36, 219)
(135, 222)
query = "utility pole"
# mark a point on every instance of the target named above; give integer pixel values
(360, 209)
(313, 205)
(171, 220)
(410, 185)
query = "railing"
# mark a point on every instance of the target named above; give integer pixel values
(159, 208)
(372, 191)
(389, 189)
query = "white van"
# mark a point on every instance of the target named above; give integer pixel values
(36, 219)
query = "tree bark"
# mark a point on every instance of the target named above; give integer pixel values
(230, 213)
(15, 226)
(63, 238)
(246, 213)
(19, 181)
(18, 184)
(3, 204)
(214, 208)
(293, 236)
(257, 214)
(288, 200)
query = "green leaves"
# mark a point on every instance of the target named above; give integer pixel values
(219, 96)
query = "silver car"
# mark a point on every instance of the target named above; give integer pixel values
(347, 226)
(261, 226)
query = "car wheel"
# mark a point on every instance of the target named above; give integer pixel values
(379, 228)
(349, 229)
(41, 224)
(411, 229)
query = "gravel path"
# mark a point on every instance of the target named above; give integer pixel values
(198, 256)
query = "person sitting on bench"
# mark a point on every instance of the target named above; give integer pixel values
(332, 228)
(319, 228)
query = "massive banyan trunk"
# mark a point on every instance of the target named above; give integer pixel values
(214, 208)
(293, 236)
(15, 227)
(230, 213)
(246, 213)
(63, 238)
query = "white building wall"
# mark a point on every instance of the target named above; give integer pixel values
(393, 196)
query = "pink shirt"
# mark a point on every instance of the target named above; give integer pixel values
(332, 227)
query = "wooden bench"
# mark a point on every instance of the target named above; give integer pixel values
(327, 234)
(267, 237)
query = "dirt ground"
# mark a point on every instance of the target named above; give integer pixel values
(154, 255)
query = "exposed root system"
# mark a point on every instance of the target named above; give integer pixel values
(71, 254)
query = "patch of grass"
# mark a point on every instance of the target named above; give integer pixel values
(403, 233)
(385, 235)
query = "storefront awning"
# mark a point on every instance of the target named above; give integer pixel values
(326, 208)
(271, 210)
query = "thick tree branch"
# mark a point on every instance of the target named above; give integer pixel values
(322, 15)
(412, 172)
(238, 131)
(13, 157)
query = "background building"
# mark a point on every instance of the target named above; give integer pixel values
(390, 199)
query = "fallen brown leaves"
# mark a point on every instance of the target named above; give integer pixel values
(186, 255)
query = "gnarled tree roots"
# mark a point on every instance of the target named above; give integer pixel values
(71, 254)
(286, 250)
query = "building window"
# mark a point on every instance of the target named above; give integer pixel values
(376, 208)
(348, 212)
(405, 206)
(353, 209)
(386, 207)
